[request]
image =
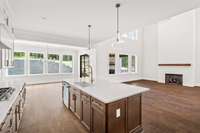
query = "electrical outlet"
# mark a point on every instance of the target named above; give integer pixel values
(118, 113)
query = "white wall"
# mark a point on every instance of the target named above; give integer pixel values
(172, 41)
(176, 39)
(176, 45)
(130, 47)
(198, 47)
(150, 52)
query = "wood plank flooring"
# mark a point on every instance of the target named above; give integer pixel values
(166, 109)
(170, 109)
(45, 113)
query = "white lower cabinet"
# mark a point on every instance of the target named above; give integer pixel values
(13, 118)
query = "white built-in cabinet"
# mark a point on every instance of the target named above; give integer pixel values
(6, 36)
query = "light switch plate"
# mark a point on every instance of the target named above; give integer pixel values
(118, 113)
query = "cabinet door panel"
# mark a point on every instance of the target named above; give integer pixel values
(75, 101)
(134, 112)
(85, 106)
(78, 105)
(72, 100)
(117, 117)
(97, 121)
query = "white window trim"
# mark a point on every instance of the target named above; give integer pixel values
(119, 69)
(25, 66)
(117, 65)
(28, 63)
(136, 64)
(47, 60)
(45, 64)
(72, 64)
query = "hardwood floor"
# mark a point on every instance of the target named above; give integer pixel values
(166, 109)
(45, 113)
(170, 109)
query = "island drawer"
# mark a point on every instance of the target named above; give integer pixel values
(98, 104)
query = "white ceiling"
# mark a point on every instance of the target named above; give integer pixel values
(69, 18)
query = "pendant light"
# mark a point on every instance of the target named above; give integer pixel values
(118, 35)
(89, 36)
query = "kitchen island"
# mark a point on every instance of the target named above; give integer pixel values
(105, 107)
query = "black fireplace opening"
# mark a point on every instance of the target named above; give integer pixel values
(174, 79)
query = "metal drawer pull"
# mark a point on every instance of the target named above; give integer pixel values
(74, 97)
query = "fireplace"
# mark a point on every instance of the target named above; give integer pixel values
(174, 79)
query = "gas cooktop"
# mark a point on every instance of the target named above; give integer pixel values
(5, 93)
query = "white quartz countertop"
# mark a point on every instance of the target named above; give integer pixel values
(6, 105)
(108, 92)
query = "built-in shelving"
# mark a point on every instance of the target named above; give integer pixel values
(112, 63)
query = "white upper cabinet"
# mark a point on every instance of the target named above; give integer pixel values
(6, 36)
(5, 15)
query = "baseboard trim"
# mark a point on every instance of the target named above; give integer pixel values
(197, 84)
(188, 85)
(138, 80)
(53, 82)
(152, 80)
(149, 79)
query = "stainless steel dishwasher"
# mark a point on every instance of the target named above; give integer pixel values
(65, 93)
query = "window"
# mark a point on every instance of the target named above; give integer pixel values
(19, 64)
(36, 63)
(53, 63)
(132, 35)
(67, 64)
(133, 63)
(123, 63)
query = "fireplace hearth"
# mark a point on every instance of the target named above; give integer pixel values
(174, 79)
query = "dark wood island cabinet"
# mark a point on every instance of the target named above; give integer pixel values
(86, 110)
(120, 116)
(75, 102)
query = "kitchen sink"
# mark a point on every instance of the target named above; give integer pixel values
(83, 84)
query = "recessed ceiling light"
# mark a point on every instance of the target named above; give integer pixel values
(43, 18)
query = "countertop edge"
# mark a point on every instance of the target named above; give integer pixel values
(11, 102)
(114, 99)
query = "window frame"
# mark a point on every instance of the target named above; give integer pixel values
(45, 53)
(25, 66)
(61, 68)
(119, 70)
(47, 64)
(136, 64)
(29, 59)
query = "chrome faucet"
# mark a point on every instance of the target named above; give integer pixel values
(91, 74)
